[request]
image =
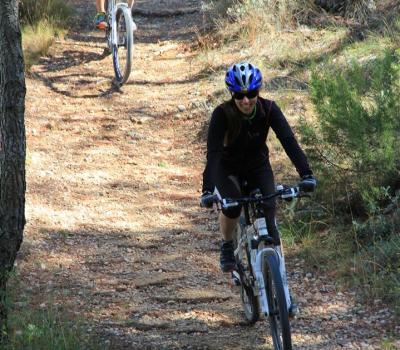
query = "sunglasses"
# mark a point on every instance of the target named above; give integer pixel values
(241, 95)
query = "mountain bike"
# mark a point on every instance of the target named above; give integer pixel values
(119, 34)
(260, 266)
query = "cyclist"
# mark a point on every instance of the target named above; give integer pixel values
(100, 20)
(237, 150)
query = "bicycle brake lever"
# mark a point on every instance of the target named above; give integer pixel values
(226, 204)
(290, 193)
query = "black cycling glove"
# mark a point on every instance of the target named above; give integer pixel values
(203, 200)
(308, 183)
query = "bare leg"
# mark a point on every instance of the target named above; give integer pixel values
(131, 2)
(100, 6)
(227, 226)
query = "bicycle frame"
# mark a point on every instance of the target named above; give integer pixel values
(260, 265)
(259, 252)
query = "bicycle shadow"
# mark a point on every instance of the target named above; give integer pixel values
(90, 80)
(81, 81)
(86, 80)
(69, 59)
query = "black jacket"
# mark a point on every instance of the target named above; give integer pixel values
(248, 151)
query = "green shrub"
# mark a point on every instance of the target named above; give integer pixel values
(354, 145)
(377, 268)
(355, 141)
(43, 329)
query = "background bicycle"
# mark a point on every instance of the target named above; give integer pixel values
(260, 266)
(119, 36)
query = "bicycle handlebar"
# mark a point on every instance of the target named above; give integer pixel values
(284, 192)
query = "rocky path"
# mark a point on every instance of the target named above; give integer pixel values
(114, 231)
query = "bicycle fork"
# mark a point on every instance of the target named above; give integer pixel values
(257, 259)
(114, 33)
(282, 269)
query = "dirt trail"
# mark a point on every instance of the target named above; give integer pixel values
(114, 230)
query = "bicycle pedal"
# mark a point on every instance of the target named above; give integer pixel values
(235, 278)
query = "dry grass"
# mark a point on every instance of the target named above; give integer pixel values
(360, 10)
(257, 28)
(43, 21)
(288, 37)
(37, 39)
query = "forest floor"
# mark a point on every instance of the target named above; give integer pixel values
(114, 232)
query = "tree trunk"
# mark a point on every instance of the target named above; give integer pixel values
(12, 145)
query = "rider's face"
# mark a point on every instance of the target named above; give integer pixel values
(246, 105)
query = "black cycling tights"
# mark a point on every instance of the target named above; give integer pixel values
(228, 185)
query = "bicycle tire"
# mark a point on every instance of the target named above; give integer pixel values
(122, 52)
(278, 317)
(249, 301)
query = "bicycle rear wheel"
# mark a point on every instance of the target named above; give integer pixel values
(249, 300)
(278, 317)
(122, 51)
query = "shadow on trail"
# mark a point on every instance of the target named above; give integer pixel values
(120, 280)
(168, 20)
(87, 38)
(176, 25)
(121, 285)
(84, 81)
(194, 78)
(155, 30)
(133, 291)
(70, 58)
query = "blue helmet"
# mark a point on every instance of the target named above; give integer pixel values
(243, 76)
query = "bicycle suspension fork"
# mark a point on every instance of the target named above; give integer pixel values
(282, 269)
(114, 35)
(257, 261)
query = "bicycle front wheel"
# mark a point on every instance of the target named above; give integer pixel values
(122, 50)
(278, 317)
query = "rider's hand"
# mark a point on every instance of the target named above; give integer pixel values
(308, 183)
(203, 202)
